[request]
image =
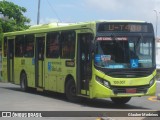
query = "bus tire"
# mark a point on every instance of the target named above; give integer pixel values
(121, 100)
(70, 91)
(23, 82)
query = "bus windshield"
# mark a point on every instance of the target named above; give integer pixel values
(124, 52)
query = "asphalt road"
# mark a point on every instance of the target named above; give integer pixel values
(13, 99)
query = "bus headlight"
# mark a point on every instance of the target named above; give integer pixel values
(103, 82)
(152, 81)
(106, 83)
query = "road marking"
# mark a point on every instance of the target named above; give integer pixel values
(153, 98)
(99, 119)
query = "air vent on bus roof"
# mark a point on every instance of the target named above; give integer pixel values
(50, 25)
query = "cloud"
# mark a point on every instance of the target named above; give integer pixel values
(130, 9)
(125, 9)
(114, 5)
(44, 21)
(105, 5)
(48, 20)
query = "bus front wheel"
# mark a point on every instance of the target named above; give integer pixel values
(70, 91)
(23, 82)
(121, 100)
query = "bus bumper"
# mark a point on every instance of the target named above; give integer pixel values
(101, 91)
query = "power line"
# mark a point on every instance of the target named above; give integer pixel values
(54, 11)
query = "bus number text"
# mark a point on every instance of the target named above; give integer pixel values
(119, 82)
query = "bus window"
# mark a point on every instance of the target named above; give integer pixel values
(5, 47)
(52, 45)
(68, 45)
(29, 45)
(19, 47)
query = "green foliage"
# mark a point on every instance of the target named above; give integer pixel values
(12, 18)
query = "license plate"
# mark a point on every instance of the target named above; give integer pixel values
(131, 90)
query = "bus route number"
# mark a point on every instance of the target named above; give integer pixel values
(119, 82)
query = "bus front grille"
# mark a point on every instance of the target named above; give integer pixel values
(121, 90)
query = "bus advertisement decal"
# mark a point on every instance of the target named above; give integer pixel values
(49, 66)
(70, 63)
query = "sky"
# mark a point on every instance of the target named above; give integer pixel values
(89, 10)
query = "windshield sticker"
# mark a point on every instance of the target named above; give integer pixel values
(116, 66)
(110, 38)
(121, 38)
(103, 38)
(134, 63)
(49, 66)
(105, 58)
(97, 58)
(145, 61)
(102, 58)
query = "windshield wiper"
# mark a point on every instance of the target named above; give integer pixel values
(139, 39)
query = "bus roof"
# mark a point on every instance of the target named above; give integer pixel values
(128, 21)
(63, 26)
(50, 25)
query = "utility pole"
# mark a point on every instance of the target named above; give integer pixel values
(38, 14)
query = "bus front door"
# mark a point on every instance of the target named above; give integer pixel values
(84, 64)
(10, 60)
(39, 61)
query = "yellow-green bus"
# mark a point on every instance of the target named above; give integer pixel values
(101, 59)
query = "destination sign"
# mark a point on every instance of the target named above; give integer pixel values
(123, 27)
(110, 38)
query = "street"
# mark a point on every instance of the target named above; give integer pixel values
(13, 99)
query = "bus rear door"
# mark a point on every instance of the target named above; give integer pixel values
(39, 60)
(10, 60)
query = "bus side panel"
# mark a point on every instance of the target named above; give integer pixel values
(30, 71)
(50, 74)
(68, 68)
(17, 69)
(4, 60)
(4, 70)
(61, 78)
(27, 66)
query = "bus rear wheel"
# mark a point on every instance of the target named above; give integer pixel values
(121, 100)
(23, 82)
(70, 91)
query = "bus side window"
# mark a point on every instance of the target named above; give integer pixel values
(19, 46)
(52, 47)
(68, 45)
(29, 48)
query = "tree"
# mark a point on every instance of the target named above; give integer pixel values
(12, 18)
